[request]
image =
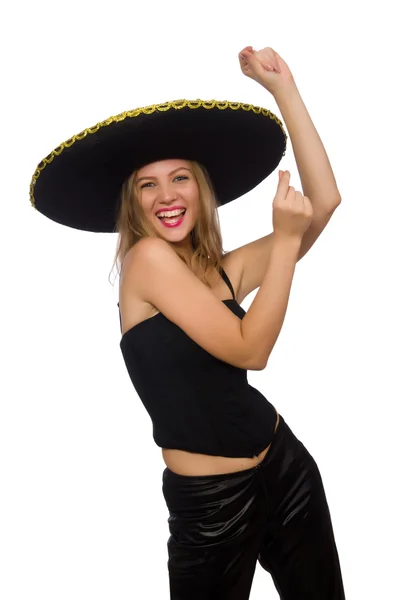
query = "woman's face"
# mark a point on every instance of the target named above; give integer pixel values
(169, 185)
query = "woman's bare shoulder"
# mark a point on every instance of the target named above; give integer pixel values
(133, 307)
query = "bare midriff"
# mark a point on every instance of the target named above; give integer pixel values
(192, 464)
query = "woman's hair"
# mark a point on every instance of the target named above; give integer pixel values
(132, 224)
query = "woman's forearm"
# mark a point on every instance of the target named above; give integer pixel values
(262, 324)
(315, 171)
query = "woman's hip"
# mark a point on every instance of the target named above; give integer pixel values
(285, 460)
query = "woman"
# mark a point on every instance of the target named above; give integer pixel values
(239, 486)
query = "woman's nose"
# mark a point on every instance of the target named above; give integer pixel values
(166, 193)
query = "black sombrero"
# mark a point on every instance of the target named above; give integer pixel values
(79, 183)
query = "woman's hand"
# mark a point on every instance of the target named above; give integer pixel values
(267, 68)
(292, 211)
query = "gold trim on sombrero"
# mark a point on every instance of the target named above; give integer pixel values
(176, 104)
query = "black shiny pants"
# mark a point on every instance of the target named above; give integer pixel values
(275, 514)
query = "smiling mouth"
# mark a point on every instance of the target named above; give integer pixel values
(172, 221)
(174, 218)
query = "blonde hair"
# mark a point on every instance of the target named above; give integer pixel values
(132, 224)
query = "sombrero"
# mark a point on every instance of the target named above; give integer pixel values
(79, 183)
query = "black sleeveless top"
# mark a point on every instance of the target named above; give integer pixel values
(196, 402)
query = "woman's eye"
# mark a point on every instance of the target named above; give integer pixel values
(151, 183)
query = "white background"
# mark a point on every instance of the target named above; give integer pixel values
(82, 514)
